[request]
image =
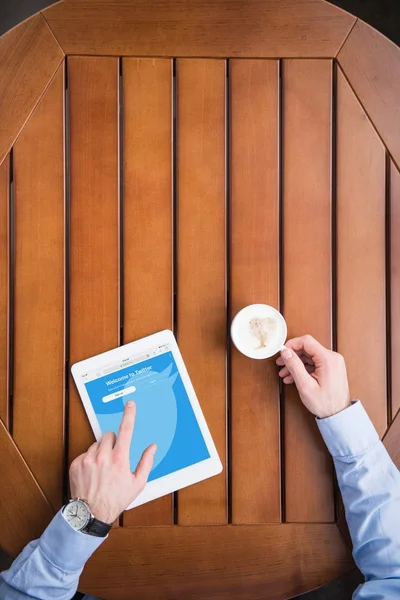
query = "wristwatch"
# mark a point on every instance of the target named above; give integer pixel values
(78, 514)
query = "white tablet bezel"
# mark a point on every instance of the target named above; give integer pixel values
(178, 479)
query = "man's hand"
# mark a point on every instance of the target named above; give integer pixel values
(319, 374)
(102, 475)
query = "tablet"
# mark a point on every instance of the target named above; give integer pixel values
(151, 372)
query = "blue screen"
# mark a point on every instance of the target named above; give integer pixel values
(164, 415)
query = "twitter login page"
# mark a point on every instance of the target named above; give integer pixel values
(164, 415)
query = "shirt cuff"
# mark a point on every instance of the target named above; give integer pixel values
(66, 548)
(349, 432)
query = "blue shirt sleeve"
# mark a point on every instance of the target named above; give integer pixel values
(49, 568)
(370, 486)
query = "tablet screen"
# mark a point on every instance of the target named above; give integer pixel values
(164, 414)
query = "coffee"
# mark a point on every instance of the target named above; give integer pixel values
(263, 330)
(258, 331)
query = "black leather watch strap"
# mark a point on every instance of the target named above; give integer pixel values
(97, 528)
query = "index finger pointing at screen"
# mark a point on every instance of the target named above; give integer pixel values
(123, 443)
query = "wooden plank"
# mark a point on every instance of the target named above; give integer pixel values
(4, 290)
(213, 28)
(147, 219)
(24, 510)
(361, 254)
(29, 57)
(307, 284)
(395, 286)
(254, 277)
(201, 265)
(250, 561)
(94, 323)
(39, 291)
(371, 62)
(392, 440)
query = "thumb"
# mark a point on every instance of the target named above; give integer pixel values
(296, 368)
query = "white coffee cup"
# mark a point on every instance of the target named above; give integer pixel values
(259, 331)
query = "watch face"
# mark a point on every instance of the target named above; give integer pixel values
(77, 514)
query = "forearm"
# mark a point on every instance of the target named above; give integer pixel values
(49, 568)
(370, 486)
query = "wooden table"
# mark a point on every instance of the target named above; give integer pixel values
(163, 164)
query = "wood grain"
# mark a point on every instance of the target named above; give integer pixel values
(147, 219)
(94, 287)
(201, 265)
(4, 289)
(395, 286)
(24, 510)
(214, 28)
(371, 62)
(392, 440)
(238, 562)
(39, 291)
(29, 57)
(307, 270)
(254, 278)
(361, 314)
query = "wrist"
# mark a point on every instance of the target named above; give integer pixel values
(333, 410)
(103, 512)
(99, 510)
(103, 515)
